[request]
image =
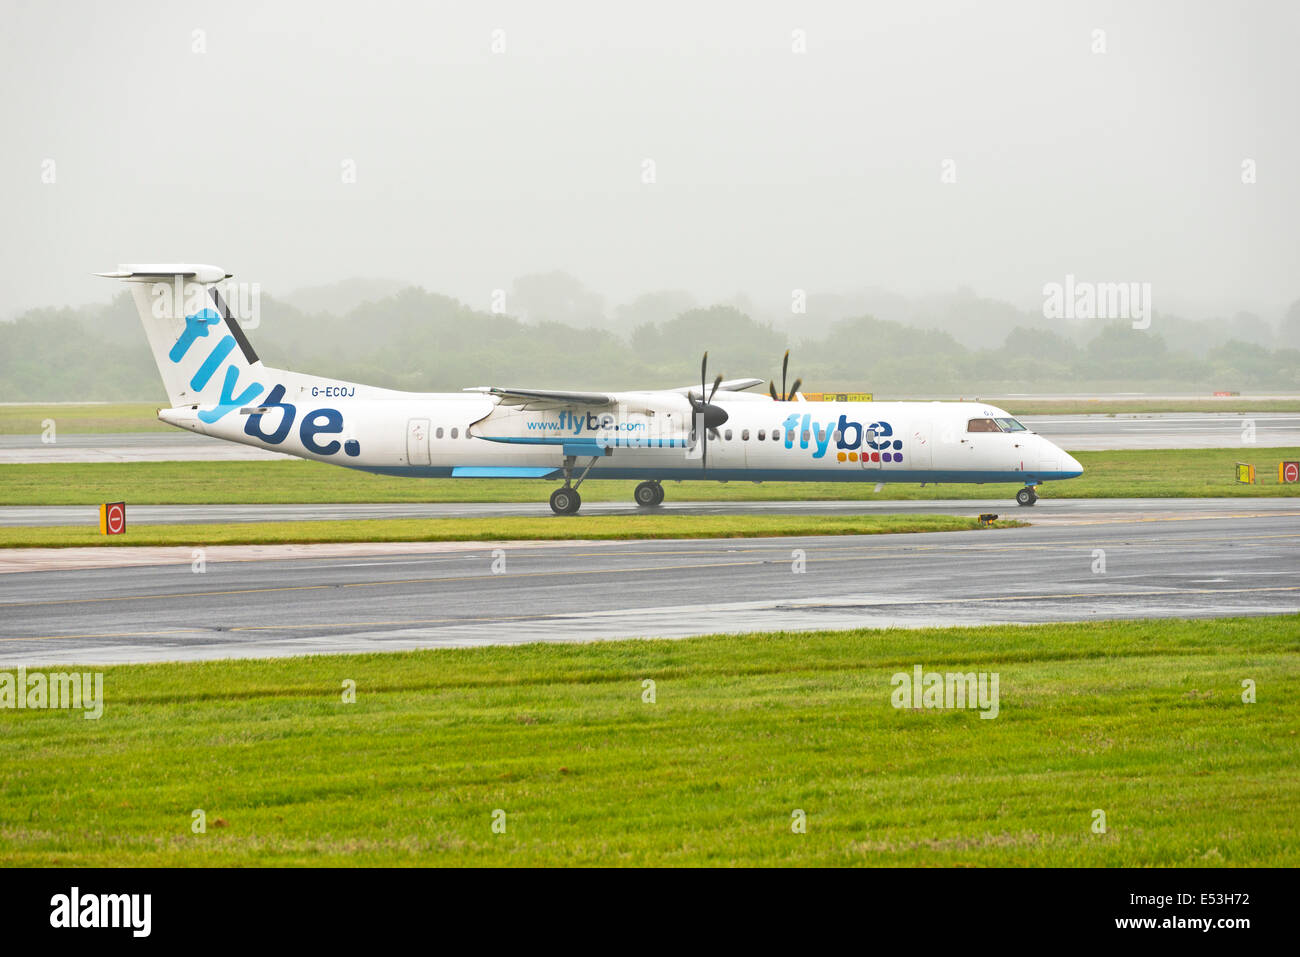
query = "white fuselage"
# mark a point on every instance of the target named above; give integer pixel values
(643, 435)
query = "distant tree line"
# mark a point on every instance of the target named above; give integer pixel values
(417, 340)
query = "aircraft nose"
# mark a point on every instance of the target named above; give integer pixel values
(1067, 464)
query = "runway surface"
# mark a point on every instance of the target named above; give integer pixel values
(173, 446)
(1075, 433)
(1048, 510)
(579, 591)
(1168, 430)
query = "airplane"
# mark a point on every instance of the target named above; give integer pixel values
(218, 386)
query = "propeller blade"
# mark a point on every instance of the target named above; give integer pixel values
(785, 364)
(771, 387)
(794, 389)
(716, 382)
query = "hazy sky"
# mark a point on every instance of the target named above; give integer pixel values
(774, 169)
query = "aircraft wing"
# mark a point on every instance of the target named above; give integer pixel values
(729, 385)
(542, 396)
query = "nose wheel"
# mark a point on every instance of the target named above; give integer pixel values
(648, 494)
(1026, 496)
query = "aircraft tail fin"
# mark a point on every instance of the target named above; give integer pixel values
(201, 352)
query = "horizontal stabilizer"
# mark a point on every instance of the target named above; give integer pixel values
(144, 272)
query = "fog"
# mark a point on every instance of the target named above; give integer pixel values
(795, 146)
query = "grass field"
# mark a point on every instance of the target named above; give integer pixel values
(24, 419)
(547, 527)
(1179, 473)
(1142, 720)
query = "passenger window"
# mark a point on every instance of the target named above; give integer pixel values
(762, 435)
(837, 436)
(982, 425)
(727, 435)
(455, 433)
(744, 435)
(803, 437)
(438, 434)
(776, 436)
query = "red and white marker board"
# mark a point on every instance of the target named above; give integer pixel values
(112, 518)
(1288, 472)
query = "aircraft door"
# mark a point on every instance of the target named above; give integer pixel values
(417, 442)
(952, 447)
(920, 450)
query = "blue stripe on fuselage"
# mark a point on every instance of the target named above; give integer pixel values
(867, 476)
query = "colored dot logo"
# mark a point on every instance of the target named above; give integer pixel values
(887, 456)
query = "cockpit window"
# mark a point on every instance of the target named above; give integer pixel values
(1010, 425)
(982, 425)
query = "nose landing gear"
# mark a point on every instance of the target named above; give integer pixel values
(1026, 496)
(648, 494)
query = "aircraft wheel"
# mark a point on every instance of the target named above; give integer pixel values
(565, 501)
(648, 494)
(1026, 496)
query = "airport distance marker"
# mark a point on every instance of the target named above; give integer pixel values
(112, 518)
(1245, 473)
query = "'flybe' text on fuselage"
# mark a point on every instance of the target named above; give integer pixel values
(878, 437)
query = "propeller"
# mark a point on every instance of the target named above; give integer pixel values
(707, 416)
(784, 395)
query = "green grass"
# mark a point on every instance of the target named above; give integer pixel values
(1178, 473)
(73, 418)
(548, 527)
(1143, 720)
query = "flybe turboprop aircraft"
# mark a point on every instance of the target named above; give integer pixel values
(217, 386)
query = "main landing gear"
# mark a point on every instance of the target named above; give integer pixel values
(566, 500)
(649, 494)
(1026, 496)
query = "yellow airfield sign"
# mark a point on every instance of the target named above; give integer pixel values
(837, 396)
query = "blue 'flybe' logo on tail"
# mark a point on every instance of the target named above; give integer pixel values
(196, 327)
(314, 424)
